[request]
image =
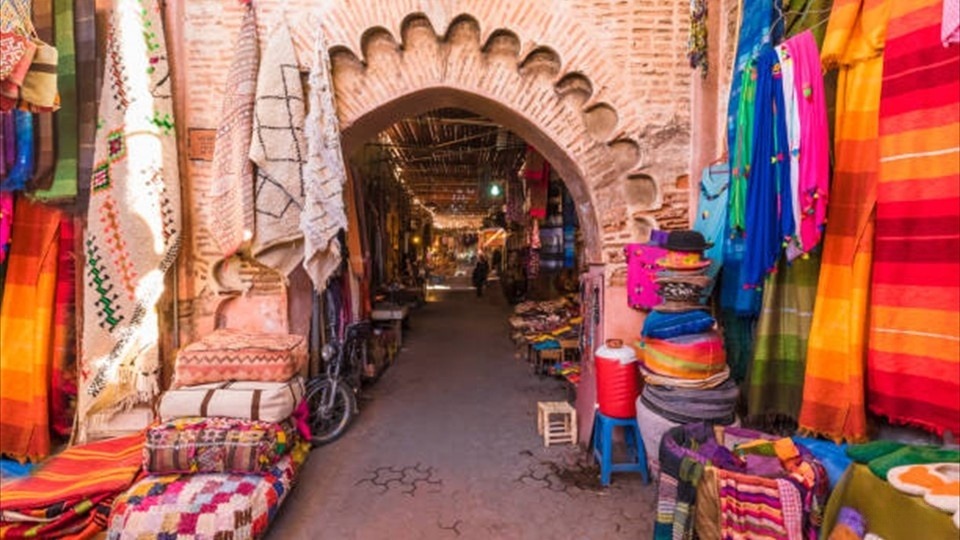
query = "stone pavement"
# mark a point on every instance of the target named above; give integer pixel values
(446, 446)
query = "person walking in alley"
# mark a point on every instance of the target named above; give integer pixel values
(480, 272)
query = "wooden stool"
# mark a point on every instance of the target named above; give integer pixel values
(556, 430)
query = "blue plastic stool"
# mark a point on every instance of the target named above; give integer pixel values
(603, 447)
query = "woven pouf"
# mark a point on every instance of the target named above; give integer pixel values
(652, 426)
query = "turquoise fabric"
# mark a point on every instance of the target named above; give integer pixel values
(546, 345)
(712, 216)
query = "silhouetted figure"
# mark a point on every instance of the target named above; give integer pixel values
(480, 272)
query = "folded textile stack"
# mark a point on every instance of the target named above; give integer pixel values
(547, 321)
(683, 360)
(229, 430)
(70, 494)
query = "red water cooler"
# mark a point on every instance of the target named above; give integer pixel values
(617, 387)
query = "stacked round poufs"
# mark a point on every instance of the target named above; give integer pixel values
(683, 361)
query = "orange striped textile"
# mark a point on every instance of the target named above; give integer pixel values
(26, 331)
(833, 393)
(913, 369)
(60, 498)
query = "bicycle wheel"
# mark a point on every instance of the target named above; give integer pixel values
(326, 427)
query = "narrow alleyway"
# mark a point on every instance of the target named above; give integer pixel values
(446, 446)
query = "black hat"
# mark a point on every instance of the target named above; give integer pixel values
(686, 240)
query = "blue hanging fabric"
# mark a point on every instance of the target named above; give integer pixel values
(22, 169)
(769, 217)
(755, 31)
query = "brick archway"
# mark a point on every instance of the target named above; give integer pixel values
(524, 90)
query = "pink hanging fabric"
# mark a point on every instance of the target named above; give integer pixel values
(950, 28)
(642, 290)
(814, 158)
(6, 221)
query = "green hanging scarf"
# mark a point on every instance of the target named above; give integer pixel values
(743, 152)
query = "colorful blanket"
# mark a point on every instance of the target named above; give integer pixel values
(62, 496)
(776, 374)
(235, 506)
(26, 324)
(230, 211)
(279, 151)
(216, 444)
(833, 393)
(913, 370)
(133, 218)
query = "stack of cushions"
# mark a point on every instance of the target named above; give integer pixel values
(683, 360)
(228, 444)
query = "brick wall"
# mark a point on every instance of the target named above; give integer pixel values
(603, 85)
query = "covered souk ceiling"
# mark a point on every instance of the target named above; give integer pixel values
(449, 158)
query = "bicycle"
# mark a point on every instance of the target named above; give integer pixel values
(332, 397)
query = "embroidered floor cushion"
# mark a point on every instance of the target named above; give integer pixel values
(211, 505)
(251, 400)
(229, 354)
(218, 444)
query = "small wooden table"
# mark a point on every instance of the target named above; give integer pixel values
(393, 315)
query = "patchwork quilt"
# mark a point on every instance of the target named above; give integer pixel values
(209, 505)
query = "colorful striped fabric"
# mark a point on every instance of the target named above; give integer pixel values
(833, 393)
(696, 356)
(752, 507)
(26, 323)
(61, 497)
(913, 372)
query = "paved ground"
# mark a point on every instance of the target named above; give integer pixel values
(446, 446)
